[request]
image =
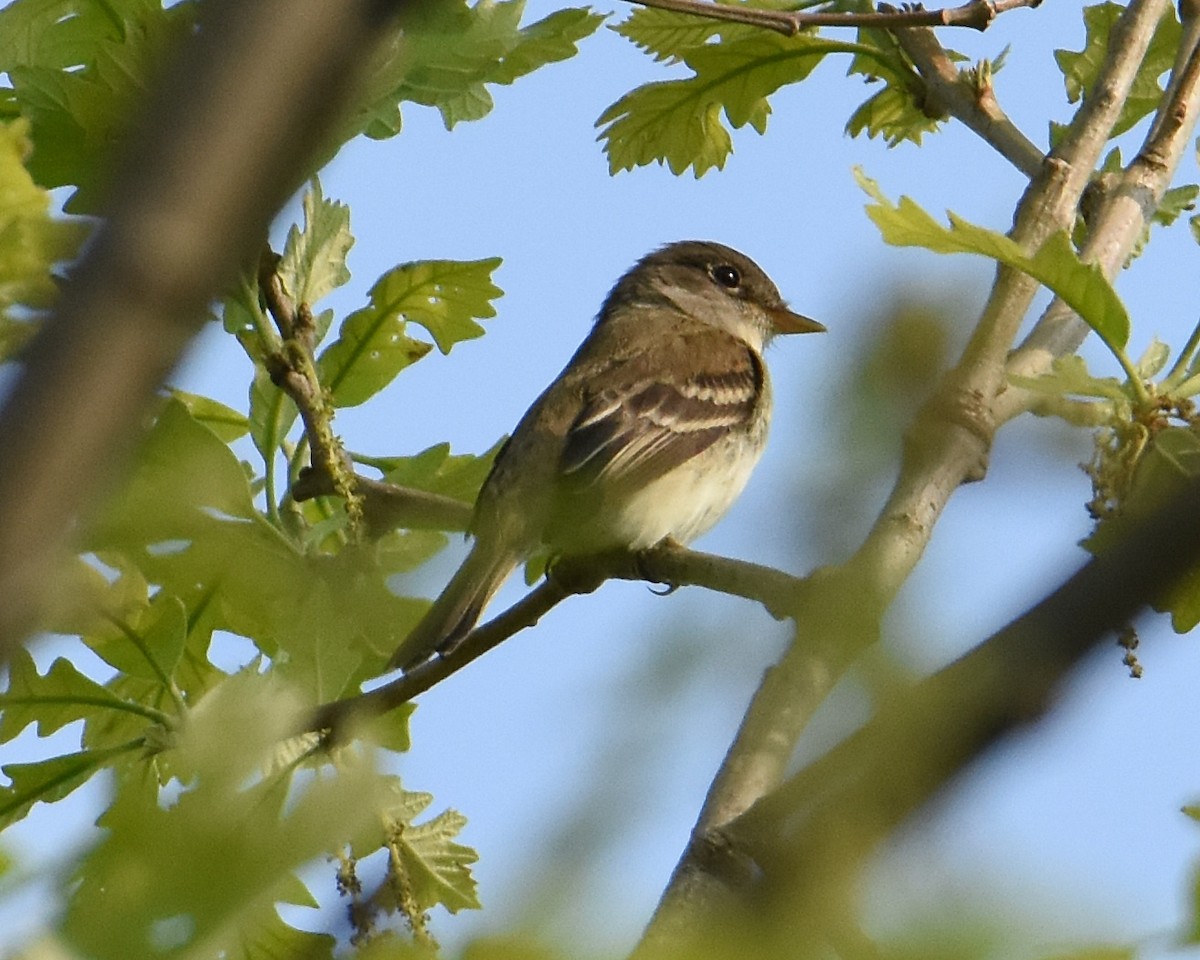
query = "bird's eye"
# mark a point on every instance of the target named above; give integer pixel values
(727, 276)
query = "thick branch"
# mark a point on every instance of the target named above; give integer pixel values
(1122, 216)
(227, 137)
(978, 15)
(947, 445)
(927, 734)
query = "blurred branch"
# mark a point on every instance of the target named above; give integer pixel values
(225, 137)
(978, 15)
(931, 731)
(947, 445)
(670, 564)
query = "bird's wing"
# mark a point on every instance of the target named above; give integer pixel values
(637, 424)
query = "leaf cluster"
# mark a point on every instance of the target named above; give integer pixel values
(736, 68)
(79, 68)
(203, 544)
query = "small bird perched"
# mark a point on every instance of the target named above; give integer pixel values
(650, 432)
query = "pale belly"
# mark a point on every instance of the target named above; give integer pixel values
(682, 504)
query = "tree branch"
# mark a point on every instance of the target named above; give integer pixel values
(293, 369)
(839, 807)
(389, 505)
(969, 98)
(947, 445)
(381, 506)
(977, 14)
(666, 563)
(1123, 214)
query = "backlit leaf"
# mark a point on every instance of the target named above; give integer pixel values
(1082, 286)
(678, 122)
(444, 296)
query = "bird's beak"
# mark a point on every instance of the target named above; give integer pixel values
(784, 320)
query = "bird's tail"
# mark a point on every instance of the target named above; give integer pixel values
(459, 606)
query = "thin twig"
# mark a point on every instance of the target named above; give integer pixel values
(978, 15)
(387, 506)
(381, 506)
(968, 98)
(293, 368)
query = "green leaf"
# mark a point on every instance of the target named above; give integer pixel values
(437, 868)
(666, 36)
(391, 730)
(678, 122)
(48, 781)
(1153, 360)
(208, 868)
(228, 424)
(552, 39)
(184, 476)
(105, 729)
(1081, 68)
(1068, 376)
(314, 257)
(63, 33)
(272, 414)
(1176, 202)
(449, 52)
(1082, 286)
(892, 114)
(62, 696)
(31, 241)
(372, 346)
(78, 115)
(896, 113)
(436, 470)
(147, 646)
(269, 938)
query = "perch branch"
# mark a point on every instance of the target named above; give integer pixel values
(779, 592)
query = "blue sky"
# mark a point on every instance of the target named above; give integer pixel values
(580, 750)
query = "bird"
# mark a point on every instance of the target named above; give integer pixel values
(648, 434)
